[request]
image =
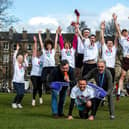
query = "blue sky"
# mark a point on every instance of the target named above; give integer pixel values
(34, 13)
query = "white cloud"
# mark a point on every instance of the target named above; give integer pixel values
(35, 21)
(122, 13)
(92, 20)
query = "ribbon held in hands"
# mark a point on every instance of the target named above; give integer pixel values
(100, 93)
(58, 85)
(77, 13)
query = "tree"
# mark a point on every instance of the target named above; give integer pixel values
(82, 25)
(5, 18)
(110, 29)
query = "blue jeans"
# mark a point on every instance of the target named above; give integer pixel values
(57, 107)
(20, 90)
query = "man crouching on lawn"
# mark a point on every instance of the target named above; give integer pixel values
(82, 96)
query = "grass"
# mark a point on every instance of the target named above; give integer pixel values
(39, 117)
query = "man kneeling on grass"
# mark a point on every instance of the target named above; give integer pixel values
(82, 96)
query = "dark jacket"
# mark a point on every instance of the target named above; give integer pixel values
(57, 75)
(107, 83)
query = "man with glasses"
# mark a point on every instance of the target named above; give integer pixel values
(103, 79)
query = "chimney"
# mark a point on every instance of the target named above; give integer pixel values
(24, 34)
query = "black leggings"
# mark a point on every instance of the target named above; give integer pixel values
(87, 68)
(37, 86)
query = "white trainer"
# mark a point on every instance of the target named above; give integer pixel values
(14, 105)
(19, 106)
(40, 100)
(33, 102)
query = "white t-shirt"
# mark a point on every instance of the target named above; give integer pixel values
(19, 69)
(48, 58)
(82, 96)
(109, 55)
(69, 54)
(80, 45)
(37, 65)
(90, 52)
(125, 45)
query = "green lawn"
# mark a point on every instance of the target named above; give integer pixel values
(39, 117)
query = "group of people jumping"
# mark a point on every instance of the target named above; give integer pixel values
(85, 57)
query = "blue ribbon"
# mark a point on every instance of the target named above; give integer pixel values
(58, 85)
(100, 93)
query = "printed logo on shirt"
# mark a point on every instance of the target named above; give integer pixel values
(68, 52)
(21, 68)
(48, 53)
(90, 46)
(108, 52)
(82, 99)
(40, 63)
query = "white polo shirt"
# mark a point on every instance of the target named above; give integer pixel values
(37, 65)
(125, 45)
(109, 55)
(69, 54)
(48, 58)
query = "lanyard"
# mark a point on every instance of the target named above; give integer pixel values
(101, 79)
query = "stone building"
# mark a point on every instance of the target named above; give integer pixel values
(8, 41)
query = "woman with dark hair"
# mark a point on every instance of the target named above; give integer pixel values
(68, 50)
(49, 51)
(37, 65)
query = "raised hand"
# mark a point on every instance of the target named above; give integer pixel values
(59, 29)
(35, 39)
(114, 16)
(40, 31)
(77, 13)
(18, 47)
(102, 26)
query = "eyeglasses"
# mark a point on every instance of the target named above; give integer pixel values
(100, 66)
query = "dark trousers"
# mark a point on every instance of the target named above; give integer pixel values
(87, 68)
(37, 86)
(96, 102)
(19, 87)
(84, 114)
(112, 70)
(44, 77)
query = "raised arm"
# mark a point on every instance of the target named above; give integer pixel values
(56, 40)
(35, 46)
(116, 24)
(15, 53)
(116, 40)
(102, 26)
(77, 15)
(61, 41)
(40, 40)
(75, 41)
(25, 60)
(79, 32)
